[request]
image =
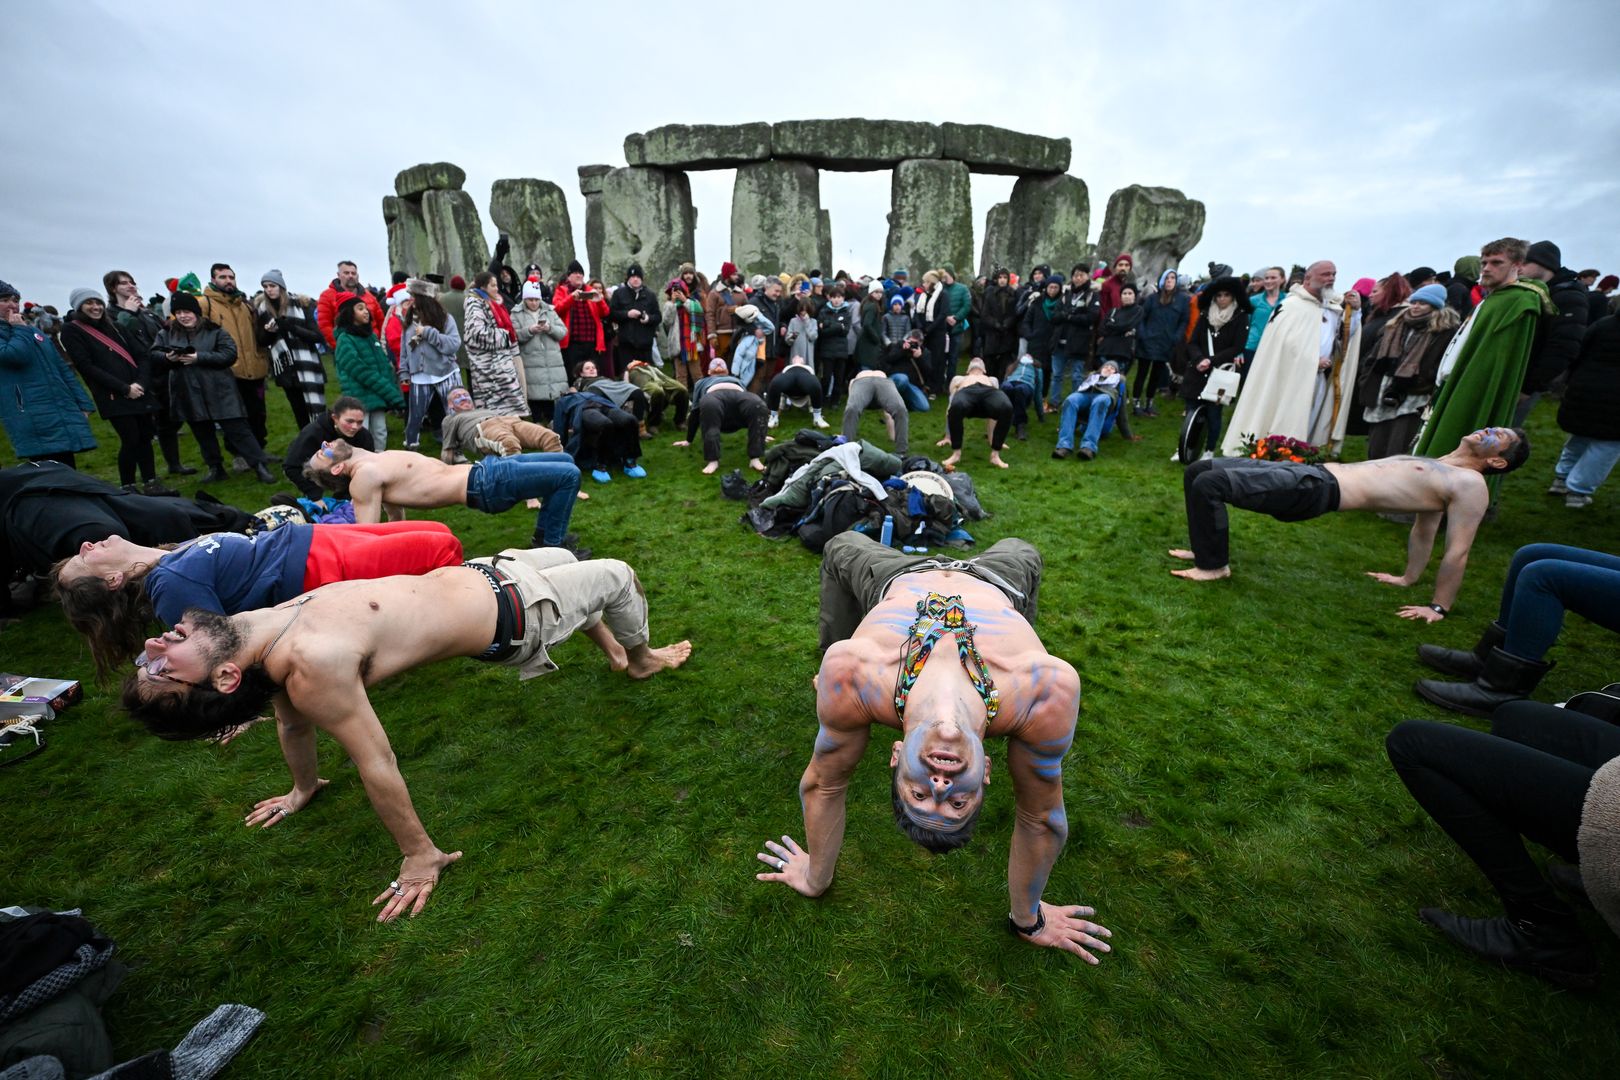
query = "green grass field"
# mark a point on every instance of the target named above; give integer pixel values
(1233, 820)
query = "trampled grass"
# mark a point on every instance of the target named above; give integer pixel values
(1234, 821)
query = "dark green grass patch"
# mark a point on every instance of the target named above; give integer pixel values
(1233, 818)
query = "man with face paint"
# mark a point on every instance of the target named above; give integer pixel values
(944, 651)
(1450, 489)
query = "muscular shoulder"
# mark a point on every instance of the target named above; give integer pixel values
(1045, 706)
(849, 690)
(322, 670)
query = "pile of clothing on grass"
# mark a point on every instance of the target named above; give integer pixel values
(816, 486)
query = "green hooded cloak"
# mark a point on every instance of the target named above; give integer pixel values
(1483, 387)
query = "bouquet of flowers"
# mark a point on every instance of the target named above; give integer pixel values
(1282, 448)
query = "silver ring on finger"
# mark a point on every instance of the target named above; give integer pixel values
(781, 864)
(394, 887)
(282, 810)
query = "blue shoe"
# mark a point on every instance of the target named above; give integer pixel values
(601, 476)
(634, 471)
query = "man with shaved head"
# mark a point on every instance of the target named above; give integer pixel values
(1303, 372)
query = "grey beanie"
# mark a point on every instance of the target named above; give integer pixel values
(79, 296)
(7, 290)
(273, 276)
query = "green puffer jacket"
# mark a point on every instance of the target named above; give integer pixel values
(365, 372)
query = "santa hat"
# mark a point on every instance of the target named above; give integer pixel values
(532, 290)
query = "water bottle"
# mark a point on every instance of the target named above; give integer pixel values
(886, 538)
(909, 550)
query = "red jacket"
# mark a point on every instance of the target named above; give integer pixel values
(326, 311)
(563, 302)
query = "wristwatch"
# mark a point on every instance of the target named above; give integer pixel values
(1028, 931)
(1437, 608)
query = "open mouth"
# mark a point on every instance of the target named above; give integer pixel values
(943, 761)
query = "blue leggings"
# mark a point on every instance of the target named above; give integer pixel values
(1544, 581)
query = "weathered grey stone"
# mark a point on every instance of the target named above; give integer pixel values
(993, 252)
(407, 235)
(1047, 220)
(699, 146)
(456, 241)
(989, 149)
(930, 218)
(534, 214)
(775, 217)
(593, 232)
(824, 243)
(435, 176)
(647, 218)
(855, 145)
(590, 178)
(1156, 225)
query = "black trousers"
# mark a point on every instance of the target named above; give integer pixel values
(608, 437)
(1021, 396)
(238, 437)
(252, 393)
(135, 434)
(1284, 490)
(1527, 778)
(985, 402)
(729, 410)
(796, 380)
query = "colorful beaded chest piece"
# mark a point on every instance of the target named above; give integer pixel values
(937, 616)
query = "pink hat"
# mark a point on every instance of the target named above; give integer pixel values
(1365, 287)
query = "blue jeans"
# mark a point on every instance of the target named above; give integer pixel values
(913, 396)
(1096, 405)
(1061, 362)
(1544, 581)
(1585, 463)
(495, 485)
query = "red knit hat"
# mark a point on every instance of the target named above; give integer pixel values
(728, 269)
(1124, 257)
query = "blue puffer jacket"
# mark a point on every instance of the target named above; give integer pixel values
(42, 404)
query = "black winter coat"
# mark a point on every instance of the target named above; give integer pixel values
(999, 322)
(1218, 349)
(204, 390)
(1558, 342)
(1079, 318)
(1118, 340)
(832, 330)
(1598, 307)
(107, 375)
(1460, 296)
(1592, 400)
(1039, 329)
(634, 334)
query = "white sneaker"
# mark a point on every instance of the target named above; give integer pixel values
(1175, 457)
(816, 419)
(773, 421)
(1207, 455)
(1577, 502)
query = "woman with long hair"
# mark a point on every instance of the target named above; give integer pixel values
(493, 366)
(1400, 366)
(290, 338)
(364, 370)
(428, 347)
(120, 382)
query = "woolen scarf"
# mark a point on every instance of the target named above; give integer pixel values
(1406, 338)
(1219, 316)
(502, 317)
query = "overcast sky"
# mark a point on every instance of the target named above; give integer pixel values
(159, 138)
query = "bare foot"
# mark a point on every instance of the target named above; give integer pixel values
(581, 496)
(1181, 553)
(950, 462)
(946, 441)
(1192, 573)
(645, 662)
(710, 467)
(602, 637)
(756, 464)
(995, 459)
(533, 504)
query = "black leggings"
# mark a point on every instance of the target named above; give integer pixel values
(727, 410)
(608, 437)
(796, 380)
(238, 437)
(135, 435)
(981, 401)
(1149, 373)
(1285, 490)
(1528, 778)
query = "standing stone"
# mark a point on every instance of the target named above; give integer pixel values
(456, 241)
(590, 186)
(647, 218)
(930, 218)
(407, 235)
(1156, 225)
(415, 181)
(994, 252)
(535, 215)
(824, 243)
(1047, 219)
(855, 145)
(699, 146)
(989, 149)
(775, 217)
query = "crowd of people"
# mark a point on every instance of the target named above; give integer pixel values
(551, 377)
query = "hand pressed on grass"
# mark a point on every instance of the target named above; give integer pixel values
(1067, 929)
(418, 874)
(791, 863)
(266, 812)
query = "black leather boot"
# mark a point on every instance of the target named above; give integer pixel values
(1505, 678)
(1465, 664)
(215, 475)
(1561, 954)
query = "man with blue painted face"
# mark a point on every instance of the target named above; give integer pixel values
(1451, 488)
(884, 616)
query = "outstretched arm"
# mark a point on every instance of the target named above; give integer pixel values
(1419, 546)
(297, 734)
(1464, 514)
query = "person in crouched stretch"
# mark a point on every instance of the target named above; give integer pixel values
(720, 404)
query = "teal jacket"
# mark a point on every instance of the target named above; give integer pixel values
(42, 403)
(959, 302)
(365, 372)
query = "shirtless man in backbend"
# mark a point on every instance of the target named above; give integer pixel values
(315, 656)
(883, 616)
(1452, 487)
(392, 480)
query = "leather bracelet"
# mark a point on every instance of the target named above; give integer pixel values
(1436, 607)
(1028, 931)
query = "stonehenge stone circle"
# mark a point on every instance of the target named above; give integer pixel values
(647, 218)
(989, 149)
(408, 248)
(590, 186)
(534, 214)
(455, 235)
(1156, 225)
(699, 146)
(824, 242)
(418, 180)
(775, 216)
(855, 145)
(931, 217)
(994, 252)
(1047, 222)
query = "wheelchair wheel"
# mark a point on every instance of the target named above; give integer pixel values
(1194, 431)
